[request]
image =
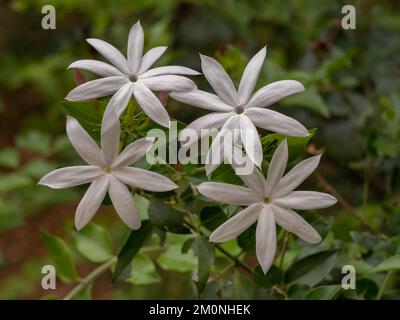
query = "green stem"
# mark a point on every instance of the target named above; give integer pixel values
(90, 278)
(384, 285)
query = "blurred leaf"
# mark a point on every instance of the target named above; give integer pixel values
(389, 264)
(13, 181)
(309, 99)
(61, 256)
(94, 243)
(35, 141)
(311, 269)
(324, 293)
(37, 168)
(212, 217)
(130, 249)
(9, 158)
(247, 239)
(267, 281)
(166, 218)
(142, 204)
(143, 271)
(174, 259)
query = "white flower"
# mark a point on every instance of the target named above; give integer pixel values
(106, 171)
(131, 76)
(241, 109)
(269, 201)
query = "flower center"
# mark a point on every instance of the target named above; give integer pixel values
(133, 77)
(266, 200)
(239, 109)
(107, 170)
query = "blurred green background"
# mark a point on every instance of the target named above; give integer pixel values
(352, 96)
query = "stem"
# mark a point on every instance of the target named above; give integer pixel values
(284, 247)
(384, 285)
(90, 278)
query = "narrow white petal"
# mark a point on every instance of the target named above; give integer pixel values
(151, 105)
(266, 238)
(110, 133)
(151, 57)
(222, 146)
(97, 67)
(276, 122)
(120, 100)
(135, 47)
(111, 53)
(305, 200)
(227, 193)
(91, 201)
(237, 224)
(251, 140)
(294, 223)
(274, 92)
(123, 203)
(133, 153)
(202, 99)
(97, 88)
(83, 143)
(219, 80)
(213, 120)
(169, 70)
(168, 83)
(144, 179)
(296, 176)
(70, 176)
(276, 167)
(250, 76)
(255, 181)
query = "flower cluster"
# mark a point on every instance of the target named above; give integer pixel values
(269, 201)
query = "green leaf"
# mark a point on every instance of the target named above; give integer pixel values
(9, 158)
(389, 264)
(174, 259)
(205, 260)
(311, 269)
(94, 243)
(130, 249)
(324, 293)
(267, 281)
(309, 99)
(142, 204)
(143, 271)
(35, 141)
(166, 218)
(12, 181)
(61, 256)
(212, 217)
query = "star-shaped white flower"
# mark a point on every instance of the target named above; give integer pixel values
(241, 109)
(269, 201)
(131, 76)
(107, 171)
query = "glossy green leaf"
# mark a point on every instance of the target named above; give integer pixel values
(143, 271)
(389, 264)
(324, 293)
(166, 218)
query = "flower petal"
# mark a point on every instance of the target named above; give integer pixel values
(111, 53)
(213, 120)
(202, 99)
(144, 179)
(219, 80)
(96, 88)
(169, 70)
(251, 140)
(296, 176)
(305, 200)
(169, 83)
(274, 92)
(150, 104)
(119, 101)
(237, 224)
(294, 223)
(151, 57)
(110, 133)
(255, 181)
(135, 47)
(250, 76)
(97, 67)
(123, 203)
(227, 193)
(133, 153)
(70, 176)
(266, 238)
(276, 167)
(276, 122)
(84, 145)
(91, 201)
